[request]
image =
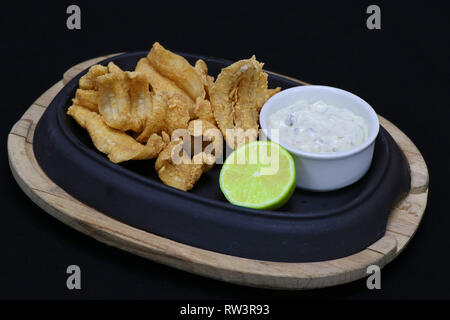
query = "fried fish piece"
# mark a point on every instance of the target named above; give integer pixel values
(263, 93)
(156, 80)
(177, 112)
(124, 100)
(177, 69)
(160, 83)
(112, 67)
(237, 96)
(181, 169)
(176, 169)
(117, 145)
(155, 121)
(114, 100)
(140, 99)
(202, 70)
(170, 111)
(165, 136)
(88, 81)
(87, 99)
(80, 114)
(207, 141)
(233, 98)
(87, 94)
(155, 144)
(203, 110)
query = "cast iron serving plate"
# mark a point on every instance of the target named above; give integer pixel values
(310, 227)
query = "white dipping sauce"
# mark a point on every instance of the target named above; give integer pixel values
(318, 127)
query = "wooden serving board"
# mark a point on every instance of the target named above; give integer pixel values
(402, 224)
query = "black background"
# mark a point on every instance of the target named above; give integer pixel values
(402, 70)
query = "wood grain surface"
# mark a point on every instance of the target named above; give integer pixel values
(402, 224)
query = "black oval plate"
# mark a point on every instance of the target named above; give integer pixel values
(310, 227)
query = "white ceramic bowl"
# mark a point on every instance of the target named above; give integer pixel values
(326, 171)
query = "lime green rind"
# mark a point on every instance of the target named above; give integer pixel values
(273, 203)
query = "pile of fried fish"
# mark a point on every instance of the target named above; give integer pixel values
(134, 115)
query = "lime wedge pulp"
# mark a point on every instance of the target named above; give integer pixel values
(258, 175)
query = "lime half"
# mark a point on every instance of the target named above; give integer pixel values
(258, 175)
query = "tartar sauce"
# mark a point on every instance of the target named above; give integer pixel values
(319, 127)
